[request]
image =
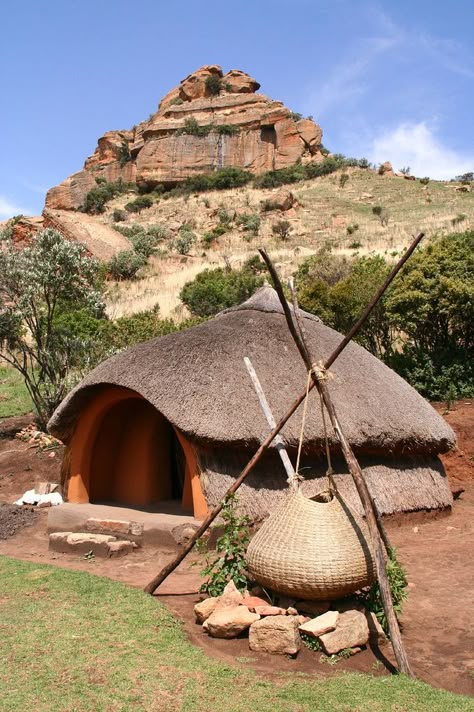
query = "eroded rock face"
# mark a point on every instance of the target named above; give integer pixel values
(262, 136)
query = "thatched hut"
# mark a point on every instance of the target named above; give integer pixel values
(176, 418)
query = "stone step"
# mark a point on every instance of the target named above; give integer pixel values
(100, 545)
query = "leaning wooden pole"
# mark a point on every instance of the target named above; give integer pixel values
(298, 334)
(172, 565)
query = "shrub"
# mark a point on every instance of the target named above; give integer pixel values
(343, 178)
(295, 116)
(119, 215)
(405, 171)
(50, 276)
(398, 583)
(355, 245)
(139, 204)
(97, 197)
(219, 180)
(177, 101)
(193, 128)
(126, 264)
(214, 85)
(184, 241)
(229, 564)
(225, 218)
(268, 205)
(282, 229)
(214, 290)
(351, 229)
(382, 214)
(458, 219)
(424, 181)
(466, 178)
(123, 153)
(227, 129)
(250, 222)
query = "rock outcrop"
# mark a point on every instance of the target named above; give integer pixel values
(210, 121)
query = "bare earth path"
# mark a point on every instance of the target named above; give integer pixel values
(437, 553)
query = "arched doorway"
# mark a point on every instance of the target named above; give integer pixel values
(125, 452)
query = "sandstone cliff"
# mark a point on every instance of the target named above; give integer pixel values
(210, 121)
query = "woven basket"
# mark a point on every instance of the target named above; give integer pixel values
(311, 549)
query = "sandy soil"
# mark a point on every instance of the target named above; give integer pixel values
(437, 553)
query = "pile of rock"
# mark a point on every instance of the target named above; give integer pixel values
(278, 629)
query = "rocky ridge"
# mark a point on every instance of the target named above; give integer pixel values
(231, 125)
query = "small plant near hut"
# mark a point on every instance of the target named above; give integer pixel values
(397, 579)
(310, 642)
(229, 564)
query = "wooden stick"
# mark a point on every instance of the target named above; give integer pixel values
(354, 469)
(280, 445)
(172, 565)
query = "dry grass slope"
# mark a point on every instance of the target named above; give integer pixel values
(323, 217)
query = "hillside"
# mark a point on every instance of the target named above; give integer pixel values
(213, 122)
(321, 217)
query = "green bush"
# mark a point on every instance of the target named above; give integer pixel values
(282, 229)
(227, 129)
(139, 204)
(398, 583)
(126, 264)
(295, 116)
(343, 178)
(422, 327)
(231, 546)
(184, 241)
(268, 205)
(119, 215)
(123, 153)
(98, 196)
(351, 229)
(219, 180)
(214, 290)
(424, 181)
(193, 128)
(214, 85)
(250, 223)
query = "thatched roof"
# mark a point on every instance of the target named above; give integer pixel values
(197, 379)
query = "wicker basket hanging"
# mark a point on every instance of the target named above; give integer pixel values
(311, 549)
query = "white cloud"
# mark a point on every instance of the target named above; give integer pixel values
(8, 209)
(416, 145)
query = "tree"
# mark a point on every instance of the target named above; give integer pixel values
(50, 277)
(214, 290)
(432, 304)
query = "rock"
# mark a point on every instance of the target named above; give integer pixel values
(386, 169)
(352, 631)
(283, 200)
(99, 239)
(275, 634)
(231, 595)
(290, 611)
(268, 610)
(252, 601)
(120, 548)
(194, 86)
(183, 533)
(160, 151)
(303, 619)
(229, 621)
(409, 177)
(311, 134)
(313, 608)
(376, 632)
(101, 545)
(117, 526)
(322, 624)
(203, 609)
(239, 82)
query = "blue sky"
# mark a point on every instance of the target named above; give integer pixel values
(386, 80)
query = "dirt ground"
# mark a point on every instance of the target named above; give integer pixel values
(437, 553)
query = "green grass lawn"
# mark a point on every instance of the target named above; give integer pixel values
(72, 641)
(14, 398)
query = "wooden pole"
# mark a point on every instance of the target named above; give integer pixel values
(299, 337)
(172, 565)
(280, 445)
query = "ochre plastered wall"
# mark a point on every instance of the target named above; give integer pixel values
(120, 431)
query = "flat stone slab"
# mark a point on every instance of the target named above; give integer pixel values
(163, 530)
(101, 545)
